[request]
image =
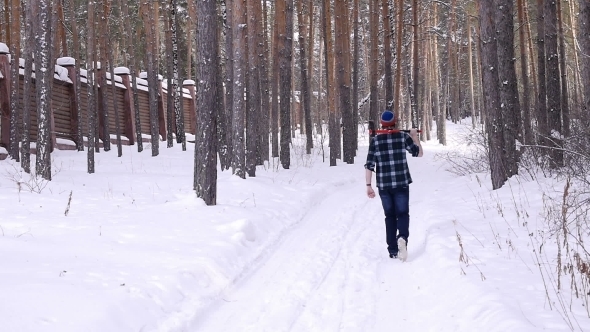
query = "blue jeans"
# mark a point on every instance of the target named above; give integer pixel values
(397, 215)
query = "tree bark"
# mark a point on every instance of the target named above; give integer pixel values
(510, 104)
(103, 33)
(239, 85)
(253, 108)
(44, 69)
(542, 125)
(565, 111)
(494, 122)
(15, 81)
(170, 92)
(305, 85)
(355, 73)
(415, 65)
(398, 53)
(329, 56)
(264, 130)
(527, 129)
(205, 139)
(130, 53)
(28, 86)
(387, 54)
(584, 40)
(278, 26)
(285, 66)
(90, 84)
(109, 54)
(152, 76)
(553, 84)
(441, 131)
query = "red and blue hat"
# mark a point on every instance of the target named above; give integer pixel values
(388, 119)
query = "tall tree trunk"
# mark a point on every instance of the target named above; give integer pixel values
(355, 73)
(565, 111)
(226, 151)
(510, 104)
(91, 83)
(14, 80)
(374, 60)
(584, 40)
(415, 65)
(170, 118)
(264, 125)
(494, 122)
(553, 83)
(441, 131)
(61, 31)
(398, 53)
(44, 69)
(526, 90)
(239, 84)
(253, 101)
(28, 86)
(578, 86)
(342, 47)
(278, 26)
(5, 27)
(285, 64)
(109, 54)
(387, 54)
(192, 22)
(453, 102)
(471, 81)
(79, 136)
(130, 53)
(176, 84)
(152, 76)
(329, 56)
(303, 60)
(103, 32)
(531, 53)
(543, 129)
(205, 182)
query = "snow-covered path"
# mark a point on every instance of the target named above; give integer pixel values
(331, 272)
(319, 258)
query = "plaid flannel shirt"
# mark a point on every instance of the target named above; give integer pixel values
(387, 152)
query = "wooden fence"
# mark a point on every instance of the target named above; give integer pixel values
(64, 119)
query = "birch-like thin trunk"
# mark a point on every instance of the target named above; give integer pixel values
(14, 81)
(28, 86)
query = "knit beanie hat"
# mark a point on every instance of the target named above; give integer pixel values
(387, 119)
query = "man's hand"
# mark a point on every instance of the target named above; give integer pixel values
(370, 192)
(416, 139)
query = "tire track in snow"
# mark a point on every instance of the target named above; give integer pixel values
(276, 293)
(346, 300)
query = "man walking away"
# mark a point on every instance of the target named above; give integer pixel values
(387, 158)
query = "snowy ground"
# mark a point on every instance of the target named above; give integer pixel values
(290, 250)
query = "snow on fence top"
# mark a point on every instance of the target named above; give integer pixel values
(59, 72)
(66, 61)
(144, 75)
(62, 74)
(122, 71)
